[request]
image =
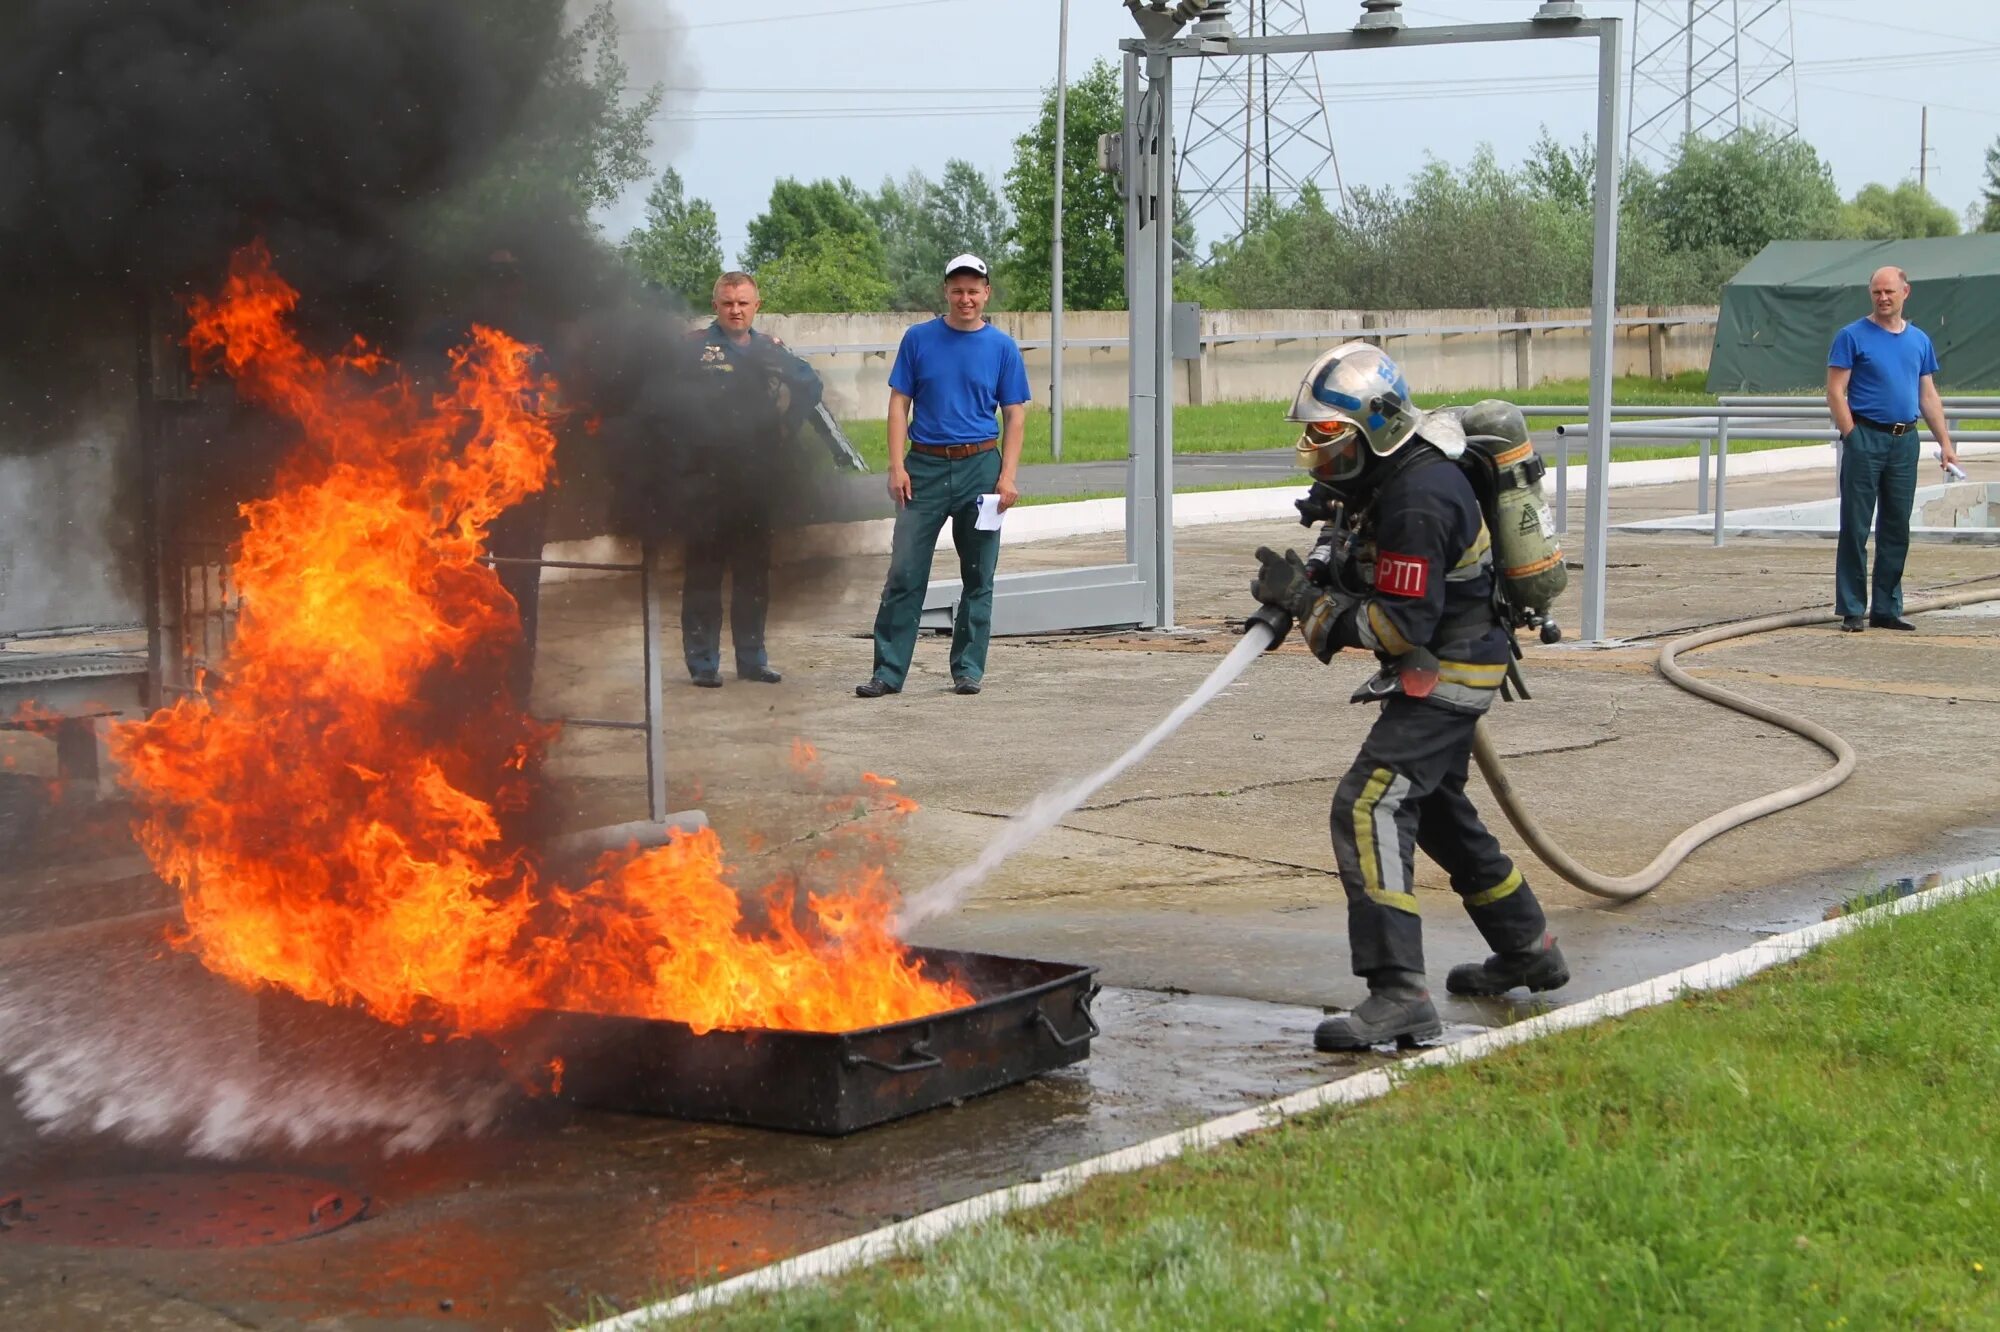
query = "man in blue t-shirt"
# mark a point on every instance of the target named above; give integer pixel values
(1880, 377)
(951, 375)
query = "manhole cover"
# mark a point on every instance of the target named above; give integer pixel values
(170, 1211)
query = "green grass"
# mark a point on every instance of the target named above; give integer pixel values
(1818, 1148)
(1098, 434)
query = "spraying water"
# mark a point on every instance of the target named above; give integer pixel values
(1049, 808)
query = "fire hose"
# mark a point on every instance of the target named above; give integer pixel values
(1625, 888)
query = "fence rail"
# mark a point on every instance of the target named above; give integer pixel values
(1806, 420)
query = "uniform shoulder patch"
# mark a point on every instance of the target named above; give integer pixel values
(1401, 575)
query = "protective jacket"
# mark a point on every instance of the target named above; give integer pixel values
(754, 395)
(1420, 573)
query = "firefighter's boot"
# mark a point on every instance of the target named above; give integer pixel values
(1538, 968)
(1398, 1008)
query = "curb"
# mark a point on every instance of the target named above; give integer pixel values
(901, 1238)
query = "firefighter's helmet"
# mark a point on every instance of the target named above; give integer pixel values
(1356, 407)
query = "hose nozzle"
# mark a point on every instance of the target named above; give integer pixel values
(1279, 622)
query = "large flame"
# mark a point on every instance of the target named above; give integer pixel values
(331, 804)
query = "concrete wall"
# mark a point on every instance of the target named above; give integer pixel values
(857, 382)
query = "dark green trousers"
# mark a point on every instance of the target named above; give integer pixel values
(1878, 484)
(941, 489)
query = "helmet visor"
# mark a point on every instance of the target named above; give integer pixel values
(1331, 450)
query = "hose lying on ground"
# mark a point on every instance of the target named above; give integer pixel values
(1624, 888)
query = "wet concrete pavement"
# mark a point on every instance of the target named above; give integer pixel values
(529, 1214)
(1199, 883)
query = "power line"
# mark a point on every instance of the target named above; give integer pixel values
(1875, 25)
(841, 12)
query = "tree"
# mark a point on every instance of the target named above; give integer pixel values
(1990, 219)
(678, 248)
(1563, 176)
(1093, 202)
(1741, 193)
(799, 212)
(580, 135)
(1475, 235)
(831, 271)
(1880, 213)
(924, 223)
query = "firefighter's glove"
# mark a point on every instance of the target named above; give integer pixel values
(1285, 582)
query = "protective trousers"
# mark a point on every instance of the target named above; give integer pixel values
(1878, 486)
(940, 489)
(1407, 790)
(737, 540)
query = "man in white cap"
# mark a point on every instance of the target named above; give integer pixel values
(951, 375)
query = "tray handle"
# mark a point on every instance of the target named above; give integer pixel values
(920, 1048)
(1091, 1028)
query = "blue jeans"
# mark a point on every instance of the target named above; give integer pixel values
(1878, 487)
(941, 488)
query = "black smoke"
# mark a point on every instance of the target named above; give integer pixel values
(143, 141)
(369, 145)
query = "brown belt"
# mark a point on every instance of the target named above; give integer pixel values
(953, 450)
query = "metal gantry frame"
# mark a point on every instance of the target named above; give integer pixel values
(1140, 592)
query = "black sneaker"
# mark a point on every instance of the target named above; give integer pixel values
(875, 687)
(765, 674)
(1852, 624)
(1407, 1019)
(964, 684)
(1891, 622)
(707, 679)
(1536, 969)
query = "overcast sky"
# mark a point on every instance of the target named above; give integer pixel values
(759, 89)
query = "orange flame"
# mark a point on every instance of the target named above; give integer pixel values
(331, 804)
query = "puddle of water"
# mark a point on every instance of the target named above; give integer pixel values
(1909, 885)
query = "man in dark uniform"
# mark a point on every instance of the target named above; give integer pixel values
(1404, 569)
(752, 395)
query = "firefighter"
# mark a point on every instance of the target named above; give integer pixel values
(1404, 570)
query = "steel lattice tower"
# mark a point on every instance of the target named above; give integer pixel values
(1257, 126)
(1709, 67)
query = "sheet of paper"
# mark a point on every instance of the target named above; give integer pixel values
(989, 514)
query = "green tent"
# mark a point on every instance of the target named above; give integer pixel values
(1780, 313)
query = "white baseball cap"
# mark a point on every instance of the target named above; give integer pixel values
(967, 263)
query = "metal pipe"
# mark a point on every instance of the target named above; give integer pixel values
(1056, 242)
(1562, 484)
(1721, 474)
(1603, 308)
(656, 741)
(1690, 434)
(1967, 400)
(1162, 279)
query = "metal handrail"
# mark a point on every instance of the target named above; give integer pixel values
(1952, 401)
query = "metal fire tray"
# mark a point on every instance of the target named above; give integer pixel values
(1029, 1017)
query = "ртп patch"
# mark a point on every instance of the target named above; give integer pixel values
(1401, 575)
